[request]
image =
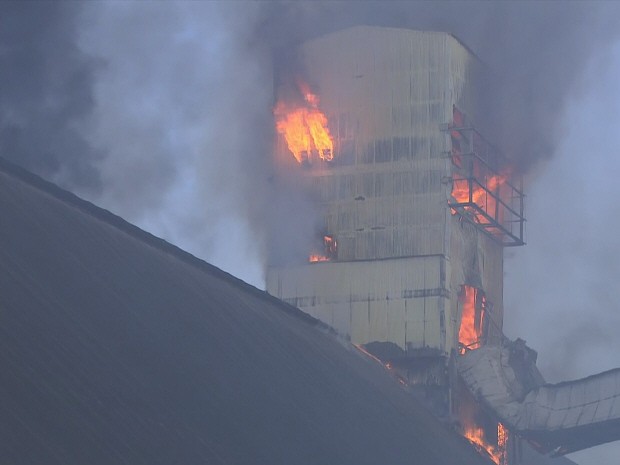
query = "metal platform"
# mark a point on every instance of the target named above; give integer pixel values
(485, 190)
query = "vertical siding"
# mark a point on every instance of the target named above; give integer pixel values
(397, 300)
(387, 93)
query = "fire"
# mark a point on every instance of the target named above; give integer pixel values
(330, 247)
(387, 365)
(502, 441)
(484, 197)
(471, 326)
(475, 435)
(313, 258)
(304, 127)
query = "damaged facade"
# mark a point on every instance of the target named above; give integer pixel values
(417, 207)
(411, 258)
(555, 418)
(402, 255)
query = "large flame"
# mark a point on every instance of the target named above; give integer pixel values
(470, 330)
(482, 190)
(484, 197)
(304, 127)
(475, 435)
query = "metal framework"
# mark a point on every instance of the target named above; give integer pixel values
(554, 418)
(484, 192)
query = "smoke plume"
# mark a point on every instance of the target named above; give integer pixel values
(535, 51)
(46, 91)
(161, 111)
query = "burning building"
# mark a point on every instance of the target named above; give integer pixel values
(119, 347)
(417, 206)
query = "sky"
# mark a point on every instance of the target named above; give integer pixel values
(161, 113)
(561, 290)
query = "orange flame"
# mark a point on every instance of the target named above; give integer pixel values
(502, 442)
(314, 258)
(304, 127)
(330, 245)
(485, 197)
(475, 435)
(471, 328)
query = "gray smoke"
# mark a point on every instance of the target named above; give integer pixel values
(536, 52)
(166, 107)
(161, 112)
(46, 91)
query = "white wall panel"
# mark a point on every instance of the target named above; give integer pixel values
(416, 323)
(396, 324)
(360, 323)
(369, 300)
(378, 321)
(387, 93)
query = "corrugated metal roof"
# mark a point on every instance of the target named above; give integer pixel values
(117, 347)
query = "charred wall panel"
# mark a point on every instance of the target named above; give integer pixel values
(387, 94)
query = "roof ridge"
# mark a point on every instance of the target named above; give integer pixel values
(146, 237)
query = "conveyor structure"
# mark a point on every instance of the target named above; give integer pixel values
(555, 418)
